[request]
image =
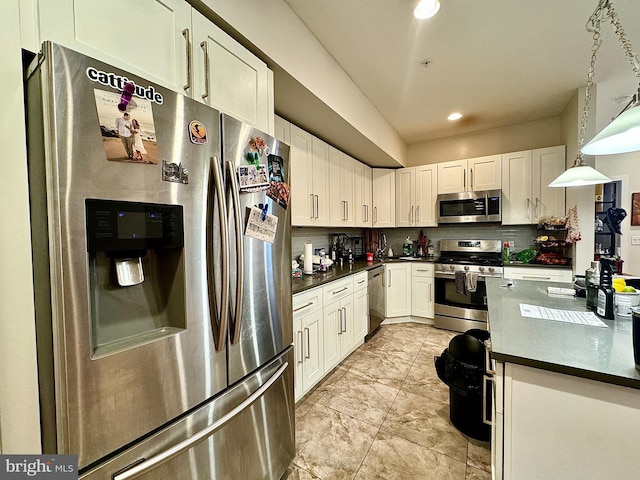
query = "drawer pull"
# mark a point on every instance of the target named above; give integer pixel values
(536, 277)
(302, 307)
(340, 291)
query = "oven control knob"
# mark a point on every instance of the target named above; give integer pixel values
(466, 268)
(491, 269)
(452, 267)
(482, 269)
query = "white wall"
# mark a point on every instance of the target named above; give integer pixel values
(525, 136)
(19, 410)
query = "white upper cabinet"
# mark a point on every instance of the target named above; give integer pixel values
(166, 42)
(301, 167)
(384, 197)
(149, 38)
(525, 175)
(341, 189)
(363, 208)
(548, 164)
(516, 188)
(426, 195)
(282, 130)
(473, 174)
(416, 195)
(309, 179)
(405, 197)
(229, 78)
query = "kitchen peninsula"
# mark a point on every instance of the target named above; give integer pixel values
(567, 396)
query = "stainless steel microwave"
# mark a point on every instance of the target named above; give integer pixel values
(470, 207)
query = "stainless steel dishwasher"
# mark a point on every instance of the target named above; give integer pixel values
(377, 302)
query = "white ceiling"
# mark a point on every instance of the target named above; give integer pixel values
(500, 62)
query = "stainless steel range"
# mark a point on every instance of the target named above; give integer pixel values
(460, 292)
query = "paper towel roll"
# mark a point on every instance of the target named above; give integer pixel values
(308, 258)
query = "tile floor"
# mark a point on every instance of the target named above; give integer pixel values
(384, 414)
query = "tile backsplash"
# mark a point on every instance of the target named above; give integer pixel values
(522, 236)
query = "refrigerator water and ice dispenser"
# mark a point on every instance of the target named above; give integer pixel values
(136, 269)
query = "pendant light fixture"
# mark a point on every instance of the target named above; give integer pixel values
(623, 134)
(426, 9)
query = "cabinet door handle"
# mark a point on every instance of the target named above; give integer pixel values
(389, 279)
(471, 180)
(536, 208)
(528, 207)
(347, 205)
(187, 39)
(486, 380)
(464, 179)
(375, 215)
(308, 355)
(302, 307)
(317, 206)
(205, 47)
(300, 346)
(313, 211)
(339, 321)
(344, 319)
(417, 214)
(411, 215)
(366, 213)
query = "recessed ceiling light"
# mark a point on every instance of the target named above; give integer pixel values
(426, 9)
(454, 116)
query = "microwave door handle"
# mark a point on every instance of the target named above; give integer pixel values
(235, 204)
(149, 464)
(219, 331)
(486, 206)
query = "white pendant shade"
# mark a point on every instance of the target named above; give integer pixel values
(620, 136)
(579, 176)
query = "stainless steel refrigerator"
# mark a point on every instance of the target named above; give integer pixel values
(161, 253)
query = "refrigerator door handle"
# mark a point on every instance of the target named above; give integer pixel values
(235, 202)
(178, 449)
(219, 333)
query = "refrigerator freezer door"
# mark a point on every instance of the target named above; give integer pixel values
(221, 439)
(118, 362)
(261, 322)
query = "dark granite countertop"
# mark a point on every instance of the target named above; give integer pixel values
(596, 353)
(335, 272)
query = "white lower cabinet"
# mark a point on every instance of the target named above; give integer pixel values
(308, 340)
(338, 321)
(539, 274)
(329, 322)
(397, 282)
(422, 304)
(562, 426)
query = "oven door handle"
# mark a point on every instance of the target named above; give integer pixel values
(451, 276)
